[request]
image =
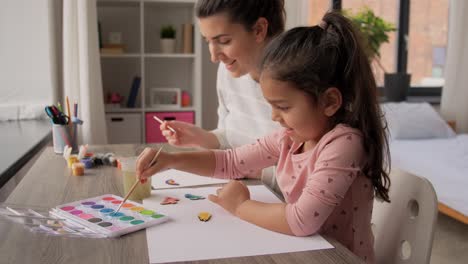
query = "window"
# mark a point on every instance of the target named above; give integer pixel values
(428, 32)
(386, 9)
(317, 8)
(426, 44)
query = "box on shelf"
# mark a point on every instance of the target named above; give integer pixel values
(167, 98)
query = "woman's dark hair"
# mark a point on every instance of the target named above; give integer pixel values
(332, 55)
(246, 12)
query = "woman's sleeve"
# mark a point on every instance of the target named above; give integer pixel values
(336, 167)
(242, 161)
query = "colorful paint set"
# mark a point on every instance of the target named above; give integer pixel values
(93, 217)
(98, 214)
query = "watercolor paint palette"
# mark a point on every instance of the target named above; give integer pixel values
(98, 214)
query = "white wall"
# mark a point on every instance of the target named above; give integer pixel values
(27, 74)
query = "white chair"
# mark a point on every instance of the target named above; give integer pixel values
(404, 228)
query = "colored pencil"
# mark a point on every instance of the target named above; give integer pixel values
(136, 182)
(68, 110)
(75, 109)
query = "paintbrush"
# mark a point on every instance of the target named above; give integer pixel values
(160, 121)
(136, 182)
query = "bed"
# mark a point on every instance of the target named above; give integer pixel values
(423, 144)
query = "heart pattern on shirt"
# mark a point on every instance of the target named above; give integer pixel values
(330, 180)
(242, 162)
(316, 214)
(348, 137)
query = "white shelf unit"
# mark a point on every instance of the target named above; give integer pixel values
(139, 22)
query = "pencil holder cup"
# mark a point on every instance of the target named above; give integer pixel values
(63, 135)
(128, 167)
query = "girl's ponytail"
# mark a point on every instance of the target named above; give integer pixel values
(363, 109)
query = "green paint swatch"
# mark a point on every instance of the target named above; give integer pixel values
(126, 218)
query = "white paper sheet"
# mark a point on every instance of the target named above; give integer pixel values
(184, 179)
(185, 238)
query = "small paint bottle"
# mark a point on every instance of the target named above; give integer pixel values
(72, 159)
(78, 169)
(88, 162)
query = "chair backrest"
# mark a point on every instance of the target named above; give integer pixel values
(404, 228)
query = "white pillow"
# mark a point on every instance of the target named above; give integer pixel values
(415, 121)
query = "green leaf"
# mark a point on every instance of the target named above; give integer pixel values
(373, 28)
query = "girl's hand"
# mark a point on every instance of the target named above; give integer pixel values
(144, 170)
(188, 135)
(231, 196)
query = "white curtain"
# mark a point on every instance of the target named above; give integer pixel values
(455, 91)
(297, 13)
(82, 69)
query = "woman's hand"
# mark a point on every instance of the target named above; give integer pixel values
(231, 196)
(188, 135)
(143, 167)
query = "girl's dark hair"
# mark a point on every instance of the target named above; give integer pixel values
(332, 55)
(246, 12)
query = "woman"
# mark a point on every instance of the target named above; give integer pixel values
(236, 33)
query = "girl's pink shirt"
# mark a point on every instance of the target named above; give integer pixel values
(324, 188)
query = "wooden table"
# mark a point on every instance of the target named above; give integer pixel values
(50, 183)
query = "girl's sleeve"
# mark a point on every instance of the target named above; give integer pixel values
(241, 162)
(220, 132)
(336, 167)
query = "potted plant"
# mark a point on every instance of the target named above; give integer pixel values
(375, 31)
(168, 33)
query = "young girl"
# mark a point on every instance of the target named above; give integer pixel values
(330, 153)
(236, 39)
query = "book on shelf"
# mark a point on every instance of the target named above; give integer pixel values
(187, 38)
(133, 92)
(112, 49)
